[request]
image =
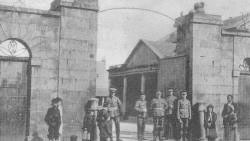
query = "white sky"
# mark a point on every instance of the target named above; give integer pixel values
(119, 31)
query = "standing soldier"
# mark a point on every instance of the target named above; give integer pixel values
(53, 120)
(169, 115)
(184, 114)
(114, 106)
(158, 106)
(141, 108)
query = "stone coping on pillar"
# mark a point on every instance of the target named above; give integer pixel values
(206, 19)
(199, 18)
(201, 107)
(77, 4)
(29, 11)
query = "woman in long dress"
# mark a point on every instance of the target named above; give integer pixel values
(229, 115)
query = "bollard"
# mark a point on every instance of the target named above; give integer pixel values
(73, 138)
(201, 110)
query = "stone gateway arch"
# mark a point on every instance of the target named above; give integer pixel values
(45, 54)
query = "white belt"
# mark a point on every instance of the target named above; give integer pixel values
(113, 108)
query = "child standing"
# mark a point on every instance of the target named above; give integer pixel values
(89, 122)
(105, 125)
(210, 123)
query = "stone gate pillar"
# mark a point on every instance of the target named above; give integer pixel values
(77, 60)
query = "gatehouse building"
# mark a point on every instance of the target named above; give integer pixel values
(209, 58)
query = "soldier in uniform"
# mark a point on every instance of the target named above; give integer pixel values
(141, 109)
(114, 106)
(53, 120)
(158, 106)
(169, 115)
(184, 114)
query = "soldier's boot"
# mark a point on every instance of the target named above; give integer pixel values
(161, 137)
(181, 139)
(118, 139)
(143, 138)
(154, 138)
(185, 135)
(185, 139)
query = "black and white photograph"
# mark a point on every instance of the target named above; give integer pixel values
(124, 70)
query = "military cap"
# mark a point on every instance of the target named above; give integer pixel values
(170, 89)
(158, 92)
(183, 91)
(113, 89)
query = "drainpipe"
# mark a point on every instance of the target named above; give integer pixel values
(233, 70)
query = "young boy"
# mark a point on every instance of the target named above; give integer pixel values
(105, 125)
(53, 120)
(89, 122)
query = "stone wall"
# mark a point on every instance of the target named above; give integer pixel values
(214, 59)
(63, 46)
(210, 61)
(212, 65)
(77, 76)
(40, 31)
(172, 74)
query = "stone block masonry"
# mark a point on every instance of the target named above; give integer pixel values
(63, 44)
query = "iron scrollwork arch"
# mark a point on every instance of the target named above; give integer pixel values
(246, 65)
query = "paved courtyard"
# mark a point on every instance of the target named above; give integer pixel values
(129, 132)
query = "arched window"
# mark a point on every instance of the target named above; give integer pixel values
(13, 48)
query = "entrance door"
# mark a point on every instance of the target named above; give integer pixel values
(14, 92)
(133, 93)
(13, 100)
(244, 103)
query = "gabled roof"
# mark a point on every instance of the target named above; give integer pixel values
(237, 23)
(161, 48)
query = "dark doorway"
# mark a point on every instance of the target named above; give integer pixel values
(133, 92)
(151, 87)
(244, 98)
